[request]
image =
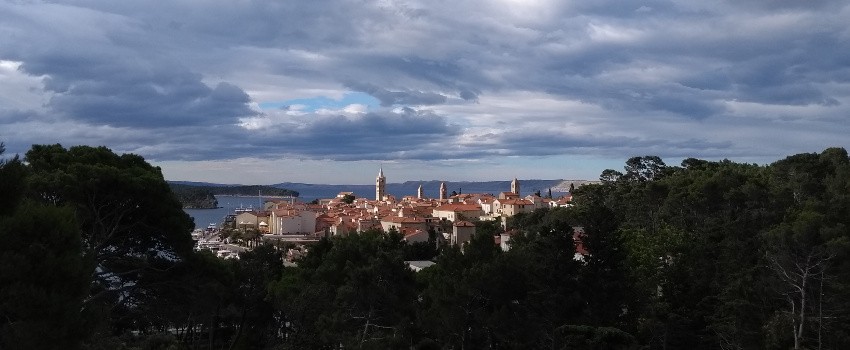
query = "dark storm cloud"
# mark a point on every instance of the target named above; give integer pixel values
(684, 105)
(16, 115)
(372, 136)
(161, 78)
(117, 91)
(118, 76)
(536, 143)
(392, 73)
(707, 80)
(790, 79)
(152, 105)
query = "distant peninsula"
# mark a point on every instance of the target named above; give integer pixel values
(203, 196)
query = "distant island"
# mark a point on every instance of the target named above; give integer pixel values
(203, 196)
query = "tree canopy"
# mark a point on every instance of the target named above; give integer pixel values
(705, 255)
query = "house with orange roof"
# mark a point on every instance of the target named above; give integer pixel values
(462, 232)
(415, 235)
(460, 198)
(316, 207)
(343, 228)
(324, 222)
(272, 204)
(508, 195)
(257, 220)
(486, 204)
(459, 211)
(536, 200)
(368, 223)
(511, 207)
(345, 193)
(564, 201)
(402, 223)
(290, 222)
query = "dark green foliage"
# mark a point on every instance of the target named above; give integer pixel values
(12, 181)
(253, 315)
(708, 246)
(491, 228)
(130, 228)
(706, 255)
(353, 290)
(472, 299)
(44, 279)
(420, 251)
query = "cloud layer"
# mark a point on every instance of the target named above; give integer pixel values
(455, 81)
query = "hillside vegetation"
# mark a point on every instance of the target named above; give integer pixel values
(704, 255)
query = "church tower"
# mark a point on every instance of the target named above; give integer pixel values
(419, 193)
(515, 186)
(380, 185)
(443, 191)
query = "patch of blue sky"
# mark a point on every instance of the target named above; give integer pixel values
(321, 102)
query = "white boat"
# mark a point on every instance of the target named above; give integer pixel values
(212, 246)
(227, 254)
(197, 234)
(242, 209)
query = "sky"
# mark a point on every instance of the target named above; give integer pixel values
(264, 92)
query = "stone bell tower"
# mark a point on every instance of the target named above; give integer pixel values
(380, 185)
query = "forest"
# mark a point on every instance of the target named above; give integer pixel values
(194, 197)
(245, 190)
(96, 254)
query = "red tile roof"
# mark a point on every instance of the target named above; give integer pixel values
(515, 202)
(402, 220)
(458, 207)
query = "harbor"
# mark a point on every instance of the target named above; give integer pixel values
(230, 205)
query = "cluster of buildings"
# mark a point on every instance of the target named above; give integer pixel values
(452, 217)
